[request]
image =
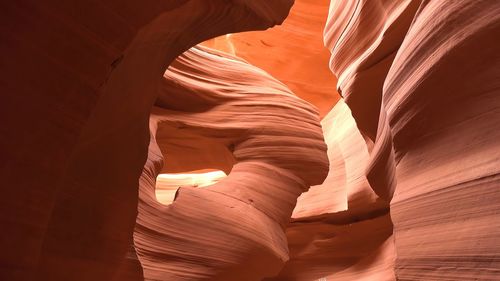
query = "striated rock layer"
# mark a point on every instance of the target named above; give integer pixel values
(412, 188)
(293, 53)
(341, 229)
(244, 122)
(422, 81)
(78, 82)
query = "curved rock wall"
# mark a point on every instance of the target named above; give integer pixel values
(421, 79)
(80, 79)
(235, 228)
(341, 229)
(293, 53)
(411, 192)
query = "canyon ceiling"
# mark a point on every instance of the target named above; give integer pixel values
(250, 140)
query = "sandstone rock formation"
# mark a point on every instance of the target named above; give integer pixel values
(341, 230)
(79, 82)
(421, 135)
(293, 52)
(167, 184)
(421, 80)
(248, 124)
(91, 117)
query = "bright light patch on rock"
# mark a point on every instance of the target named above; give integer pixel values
(167, 184)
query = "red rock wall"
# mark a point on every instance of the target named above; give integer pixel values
(79, 81)
(235, 228)
(341, 229)
(412, 188)
(421, 79)
(293, 53)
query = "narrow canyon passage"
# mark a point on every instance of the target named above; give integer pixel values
(250, 140)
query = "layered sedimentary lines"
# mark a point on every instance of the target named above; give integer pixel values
(79, 81)
(341, 246)
(293, 53)
(410, 153)
(234, 229)
(363, 44)
(443, 105)
(341, 229)
(421, 79)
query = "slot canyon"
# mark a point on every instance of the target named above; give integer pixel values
(250, 140)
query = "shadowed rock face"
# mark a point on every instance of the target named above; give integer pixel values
(404, 170)
(80, 80)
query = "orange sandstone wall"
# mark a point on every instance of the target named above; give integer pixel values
(421, 80)
(293, 53)
(90, 118)
(79, 81)
(235, 228)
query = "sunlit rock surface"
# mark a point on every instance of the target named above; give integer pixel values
(293, 52)
(341, 230)
(167, 184)
(421, 80)
(99, 145)
(274, 147)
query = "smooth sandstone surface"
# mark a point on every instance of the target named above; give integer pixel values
(443, 108)
(99, 141)
(79, 82)
(167, 184)
(341, 230)
(235, 228)
(421, 80)
(293, 52)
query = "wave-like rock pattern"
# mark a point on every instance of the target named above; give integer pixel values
(78, 81)
(341, 230)
(346, 186)
(267, 140)
(420, 136)
(421, 79)
(293, 53)
(364, 37)
(442, 96)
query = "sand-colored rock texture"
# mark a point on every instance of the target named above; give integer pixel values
(397, 180)
(422, 81)
(80, 79)
(341, 230)
(293, 53)
(235, 228)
